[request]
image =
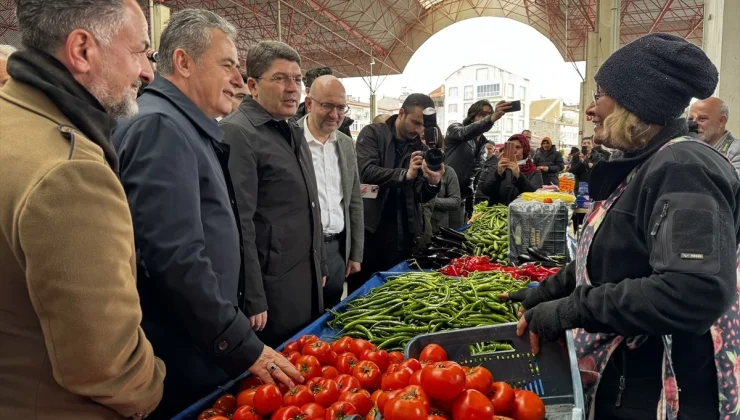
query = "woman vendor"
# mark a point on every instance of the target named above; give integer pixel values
(651, 298)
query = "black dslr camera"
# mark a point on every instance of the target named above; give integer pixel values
(434, 157)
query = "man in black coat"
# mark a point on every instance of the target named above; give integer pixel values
(550, 162)
(465, 150)
(284, 259)
(174, 170)
(582, 164)
(390, 155)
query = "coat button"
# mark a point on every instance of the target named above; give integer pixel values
(223, 345)
(313, 204)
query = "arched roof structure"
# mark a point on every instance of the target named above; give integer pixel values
(348, 34)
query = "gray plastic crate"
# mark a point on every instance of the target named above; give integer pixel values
(543, 226)
(552, 374)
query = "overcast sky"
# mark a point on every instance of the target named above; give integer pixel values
(502, 42)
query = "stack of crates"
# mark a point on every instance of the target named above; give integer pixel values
(538, 225)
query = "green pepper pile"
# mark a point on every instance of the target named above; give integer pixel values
(411, 304)
(489, 232)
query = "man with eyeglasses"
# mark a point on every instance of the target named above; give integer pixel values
(335, 165)
(276, 193)
(240, 94)
(308, 79)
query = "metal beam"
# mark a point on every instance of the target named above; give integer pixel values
(661, 15)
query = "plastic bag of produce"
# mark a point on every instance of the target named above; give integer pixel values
(537, 229)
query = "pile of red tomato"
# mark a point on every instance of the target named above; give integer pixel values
(351, 377)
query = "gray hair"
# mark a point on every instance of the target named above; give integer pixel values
(45, 25)
(6, 50)
(261, 56)
(189, 30)
(724, 110)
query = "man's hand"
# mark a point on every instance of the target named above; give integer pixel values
(258, 321)
(323, 281)
(543, 168)
(352, 267)
(581, 157)
(417, 159)
(503, 165)
(272, 366)
(433, 178)
(501, 108)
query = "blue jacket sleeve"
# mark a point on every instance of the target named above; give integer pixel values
(158, 173)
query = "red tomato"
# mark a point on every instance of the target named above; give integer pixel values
(416, 392)
(479, 379)
(219, 418)
(375, 396)
(211, 412)
(415, 378)
(267, 399)
(372, 414)
(502, 397)
(527, 406)
(346, 363)
(246, 412)
(438, 414)
(368, 374)
(379, 357)
(293, 357)
(298, 396)
(385, 397)
(412, 364)
(343, 345)
(443, 381)
(308, 366)
(314, 411)
(329, 372)
(433, 353)
(306, 340)
(395, 357)
(283, 388)
(465, 369)
(249, 382)
(226, 403)
(404, 409)
(314, 381)
(291, 347)
(395, 367)
(340, 410)
(347, 382)
(320, 350)
(246, 397)
(332, 358)
(472, 405)
(359, 346)
(288, 413)
(360, 398)
(396, 380)
(326, 393)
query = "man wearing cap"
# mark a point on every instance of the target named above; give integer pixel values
(549, 161)
(711, 116)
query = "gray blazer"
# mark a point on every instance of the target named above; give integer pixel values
(354, 220)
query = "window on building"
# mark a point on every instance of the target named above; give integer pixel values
(522, 93)
(452, 108)
(468, 93)
(481, 75)
(510, 90)
(453, 92)
(495, 138)
(496, 126)
(509, 125)
(489, 91)
(466, 107)
(521, 125)
(355, 126)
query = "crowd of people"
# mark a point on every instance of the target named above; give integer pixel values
(169, 219)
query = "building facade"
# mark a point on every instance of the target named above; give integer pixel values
(482, 81)
(360, 112)
(552, 118)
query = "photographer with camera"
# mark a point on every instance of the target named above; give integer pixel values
(583, 163)
(466, 151)
(407, 172)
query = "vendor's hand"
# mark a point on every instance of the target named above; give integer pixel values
(416, 162)
(503, 165)
(547, 321)
(529, 297)
(258, 321)
(500, 111)
(432, 177)
(271, 366)
(323, 281)
(514, 169)
(352, 267)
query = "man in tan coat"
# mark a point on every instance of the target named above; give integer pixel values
(72, 347)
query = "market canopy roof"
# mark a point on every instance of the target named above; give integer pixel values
(347, 34)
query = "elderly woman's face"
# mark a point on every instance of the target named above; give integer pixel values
(602, 106)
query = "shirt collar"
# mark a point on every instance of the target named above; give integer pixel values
(310, 137)
(172, 93)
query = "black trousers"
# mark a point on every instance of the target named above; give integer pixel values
(335, 259)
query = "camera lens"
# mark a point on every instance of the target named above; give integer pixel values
(434, 159)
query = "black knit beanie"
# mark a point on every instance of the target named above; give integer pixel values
(656, 76)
